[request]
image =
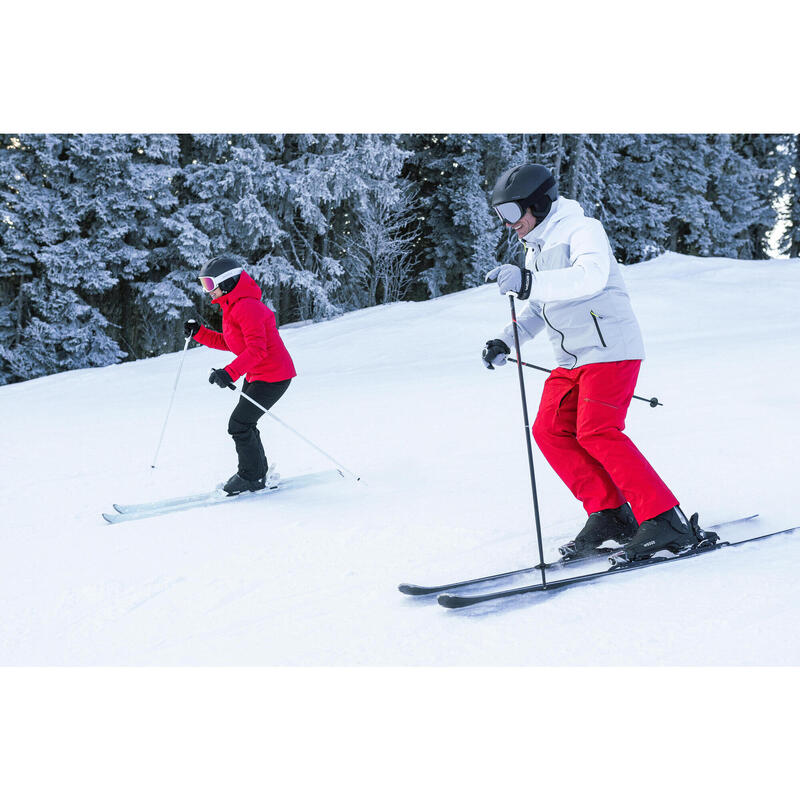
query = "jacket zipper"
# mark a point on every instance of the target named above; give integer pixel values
(560, 333)
(597, 325)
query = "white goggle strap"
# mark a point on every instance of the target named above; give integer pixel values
(225, 275)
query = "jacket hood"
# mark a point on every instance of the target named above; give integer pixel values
(246, 287)
(561, 209)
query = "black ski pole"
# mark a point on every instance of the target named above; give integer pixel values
(652, 400)
(519, 363)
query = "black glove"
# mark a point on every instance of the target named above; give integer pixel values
(191, 328)
(494, 354)
(222, 379)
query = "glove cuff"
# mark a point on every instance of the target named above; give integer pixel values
(526, 284)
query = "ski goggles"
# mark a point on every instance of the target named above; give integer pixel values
(209, 282)
(539, 203)
(510, 212)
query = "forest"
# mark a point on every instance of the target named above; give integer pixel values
(102, 235)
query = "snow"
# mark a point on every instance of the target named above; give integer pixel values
(399, 396)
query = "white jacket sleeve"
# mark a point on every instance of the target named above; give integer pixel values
(529, 322)
(589, 255)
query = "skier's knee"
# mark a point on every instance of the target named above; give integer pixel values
(238, 428)
(542, 431)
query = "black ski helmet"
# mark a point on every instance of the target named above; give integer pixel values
(529, 186)
(224, 267)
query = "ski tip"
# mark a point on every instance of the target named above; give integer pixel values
(412, 589)
(454, 601)
(111, 518)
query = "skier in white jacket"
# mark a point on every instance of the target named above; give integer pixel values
(577, 294)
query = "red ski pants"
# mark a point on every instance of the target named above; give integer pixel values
(579, 431)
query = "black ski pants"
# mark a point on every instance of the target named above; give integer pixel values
(242, 426)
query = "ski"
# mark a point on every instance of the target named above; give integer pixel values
(461, 601)
(600, 553)
(125, 513)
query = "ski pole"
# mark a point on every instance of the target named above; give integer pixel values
(300, 435)
(172, 397)
(652, 400)
(519, 363)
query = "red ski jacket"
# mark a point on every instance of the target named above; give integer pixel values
(249, 330)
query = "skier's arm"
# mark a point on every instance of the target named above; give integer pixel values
(251, 319)
(529, 323)
(590, 264)
(210, 338)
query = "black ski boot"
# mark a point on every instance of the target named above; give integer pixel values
(236, 484)
(617, 524)
(669, 530)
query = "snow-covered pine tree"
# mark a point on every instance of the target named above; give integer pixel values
(63, 197)
(89, 211)
(790, 191)
(685, 172)
(18, 245)
(634, 196)
(765, 155)
(221, 187)
(460, 233)
(585, 167)
(380, 251)
(738, 200)
(324, 182)
(135, 198)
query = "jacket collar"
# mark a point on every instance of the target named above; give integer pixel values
(560, 209)
(245, 287)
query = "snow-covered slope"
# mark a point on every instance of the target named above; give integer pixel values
(398, 395)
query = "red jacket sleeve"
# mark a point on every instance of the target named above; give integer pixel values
(250, 316)
(210, 338)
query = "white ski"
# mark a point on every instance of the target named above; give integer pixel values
(134, 511)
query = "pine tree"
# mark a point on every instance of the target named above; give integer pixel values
(584, 175)
(765, 154)
(61, 243)
(685, 172)
(634, 201)
(325, 182)
(790, 193)
(381, 258)
(460, 233)
(733, 192)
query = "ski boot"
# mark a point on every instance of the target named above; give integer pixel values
(618, 524)
(670, 531)
(236, 484)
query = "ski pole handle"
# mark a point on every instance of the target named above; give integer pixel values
(653, 401)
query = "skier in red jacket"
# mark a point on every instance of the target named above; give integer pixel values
(249, 331)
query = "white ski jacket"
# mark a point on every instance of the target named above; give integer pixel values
(578, 293)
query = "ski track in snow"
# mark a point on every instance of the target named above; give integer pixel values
(399, 396)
